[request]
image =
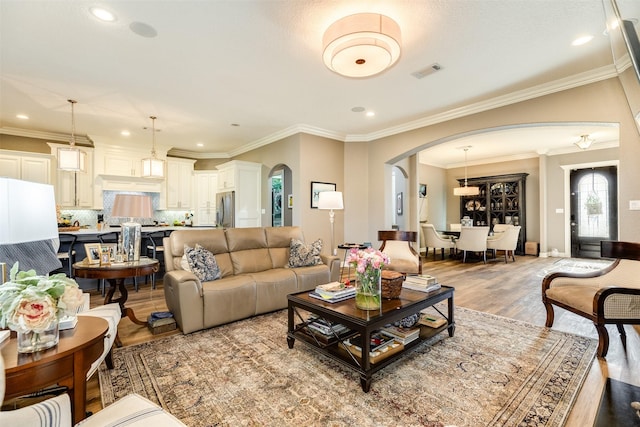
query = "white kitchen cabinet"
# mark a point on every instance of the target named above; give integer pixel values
(123, 164)
(179, 183)
(244, 178)
(26, 166)
(206, 189)
(74, 189)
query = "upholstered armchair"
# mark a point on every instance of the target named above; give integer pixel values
(434, 240)
(505, 241)
(501, 228)
(473, 239)
(131, 410)
(607, 296)
(398, 246)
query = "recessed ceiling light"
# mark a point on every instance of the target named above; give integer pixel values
(125, 133)
(102, 14)
(582, 40)
(370, 114)
(22, 116)
(200, 144)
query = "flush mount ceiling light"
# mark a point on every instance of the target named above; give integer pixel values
(72, 159)
(152, 167)
(361, 45)
(584, 142)
(466, 190)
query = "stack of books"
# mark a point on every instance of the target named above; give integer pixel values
(381, 346)
(402, 335)
(324, 330)
(422, 283)
(431, 321)
(333, 292)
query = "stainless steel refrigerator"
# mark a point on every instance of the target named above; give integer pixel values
(225, 209)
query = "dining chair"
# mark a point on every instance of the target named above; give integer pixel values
(398, 246)
(455, 227)
(66, 253)
(473, 239)
(501, 228)
(505, 241)
(435, 240)
(155, 249)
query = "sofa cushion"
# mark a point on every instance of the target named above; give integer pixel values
(279, 242)
(202, 263)
(301, 255)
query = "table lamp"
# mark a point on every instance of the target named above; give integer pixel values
(28, 226)
(131, 206)
(331, 200)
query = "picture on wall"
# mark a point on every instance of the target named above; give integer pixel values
(317, 188)
(422, 190)
(399, 203)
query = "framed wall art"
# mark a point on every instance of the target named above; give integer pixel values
(317, 188)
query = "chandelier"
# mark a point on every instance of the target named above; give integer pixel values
(466, 190)
(584, 142)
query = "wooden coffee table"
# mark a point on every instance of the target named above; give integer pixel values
(364, 323)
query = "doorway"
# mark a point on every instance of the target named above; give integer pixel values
(280, 188)
(594, 209)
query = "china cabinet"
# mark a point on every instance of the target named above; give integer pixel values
(502, 200)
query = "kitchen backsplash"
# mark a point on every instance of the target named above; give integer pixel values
(89, 217)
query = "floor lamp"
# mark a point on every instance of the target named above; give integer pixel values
(131, 206)
(28, 226)
(331, 200)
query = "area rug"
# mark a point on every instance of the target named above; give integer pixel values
(575, 265)
(494, 372)
(615, 406)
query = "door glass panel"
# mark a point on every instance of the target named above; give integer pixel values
(593, 201)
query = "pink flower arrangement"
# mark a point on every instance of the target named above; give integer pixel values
(32, 303)
(367, 259)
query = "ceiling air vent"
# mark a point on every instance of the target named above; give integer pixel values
(425, 72)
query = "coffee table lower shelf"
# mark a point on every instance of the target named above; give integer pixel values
(363, 323)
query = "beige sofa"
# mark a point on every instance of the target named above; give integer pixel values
(254, 279)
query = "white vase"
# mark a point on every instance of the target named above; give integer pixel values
(30, 341)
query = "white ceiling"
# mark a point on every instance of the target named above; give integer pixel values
(258, 64)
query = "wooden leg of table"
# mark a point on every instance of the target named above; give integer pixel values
(78, 393)
(127, 312)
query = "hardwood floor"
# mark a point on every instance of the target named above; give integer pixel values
(510, 290)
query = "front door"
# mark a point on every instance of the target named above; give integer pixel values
(594, 209)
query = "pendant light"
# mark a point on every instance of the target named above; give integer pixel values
(466, 190)
(72, 159)
(584, 142)
(152, 167)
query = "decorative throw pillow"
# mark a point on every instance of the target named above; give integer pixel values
(301, 255)
(202, 263)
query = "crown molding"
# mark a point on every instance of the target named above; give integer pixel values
(588, 77)
(51, 136)
(176, 152)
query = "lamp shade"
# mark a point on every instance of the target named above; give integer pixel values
(152, 168)
(466, 191)
(72, 159)
(361, 45)
(330, 200)
(132, 206)
(27, 212)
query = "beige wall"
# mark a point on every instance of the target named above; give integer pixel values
(21, 143)
(598, 102)
(433, 208)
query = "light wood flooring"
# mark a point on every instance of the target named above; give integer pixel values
(510, 290)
